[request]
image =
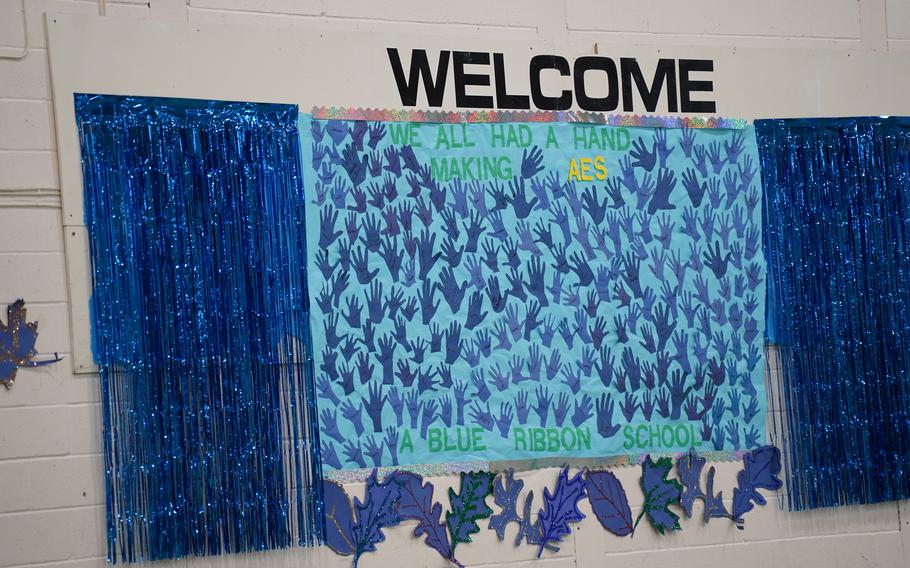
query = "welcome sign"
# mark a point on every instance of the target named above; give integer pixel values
(507, 291)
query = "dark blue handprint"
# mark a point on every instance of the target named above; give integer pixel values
(426, 257)
(474, 228)
(660, 200)
(483, 417)
(476, 313)
(717, 161)
(605, 426)
(531, 162)
(427, 305)
(694, 189)
(522, 408)
(561, 409)
(716, 262)
(324, 384)
(504, 420)
(453, 343)
(330, 455)
(663, 150)
(372, 233)
(687, 141)
(480, 383)
(354, 164)
(429, 416)
(386, 358)
(644, 158)
(542, 407)
(452, 291)
(360, 261)
(352, 412)
(519, 198)
(415, 406)
(327, 232)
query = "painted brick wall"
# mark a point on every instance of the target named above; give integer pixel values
(51, 491)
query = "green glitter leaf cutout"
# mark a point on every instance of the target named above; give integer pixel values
(469, 506)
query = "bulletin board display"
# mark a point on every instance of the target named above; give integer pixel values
(515, 291)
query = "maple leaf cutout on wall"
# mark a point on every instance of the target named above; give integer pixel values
(17, 344)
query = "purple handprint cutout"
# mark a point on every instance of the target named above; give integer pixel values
(605, 426)
(531, 162)
(644, 158)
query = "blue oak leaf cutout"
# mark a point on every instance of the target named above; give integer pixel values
(17, 344)
(529, 531)
(416, 503)
(690, 467)
(377, 511)
(505, 496)
(560, 508)
(760, 469)
(469, 506)
(660, 493)
(714, 504)
(609, 502)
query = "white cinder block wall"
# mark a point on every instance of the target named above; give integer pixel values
(51, 490)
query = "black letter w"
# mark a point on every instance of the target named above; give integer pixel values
(420, 65)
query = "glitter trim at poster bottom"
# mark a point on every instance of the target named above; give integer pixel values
(359, 475)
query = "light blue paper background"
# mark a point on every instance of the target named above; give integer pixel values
(740, 392)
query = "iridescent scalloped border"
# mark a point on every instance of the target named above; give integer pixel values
(628, 120)
(454, 468)
(426, 470)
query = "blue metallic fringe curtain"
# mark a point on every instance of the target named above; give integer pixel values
(837, 223)
(194, 211)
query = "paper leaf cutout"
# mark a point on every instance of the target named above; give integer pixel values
(505, 496)
(760, 469)
(378, 511)
(339, 519)
(660, 493)
(528, 531)
(609, 502)
(17, 344)
(714, 504)
(416, 503)
(560, 508)
(469, 506)
(689, 468)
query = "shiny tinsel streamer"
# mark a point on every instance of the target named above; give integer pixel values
(195, 218)
(837, 220)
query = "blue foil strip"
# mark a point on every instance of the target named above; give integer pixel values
(837, 223)
(195, 215)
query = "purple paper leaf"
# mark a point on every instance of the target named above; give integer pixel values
(689, 468)
(528, 531)
(378, 511)
(714, 504)
(505, 495)
(609, 502)
(560, 508)
(416, 503)
(760, 469)
(339, 519)
(469, 506)
(17, 343)
(660, 493)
